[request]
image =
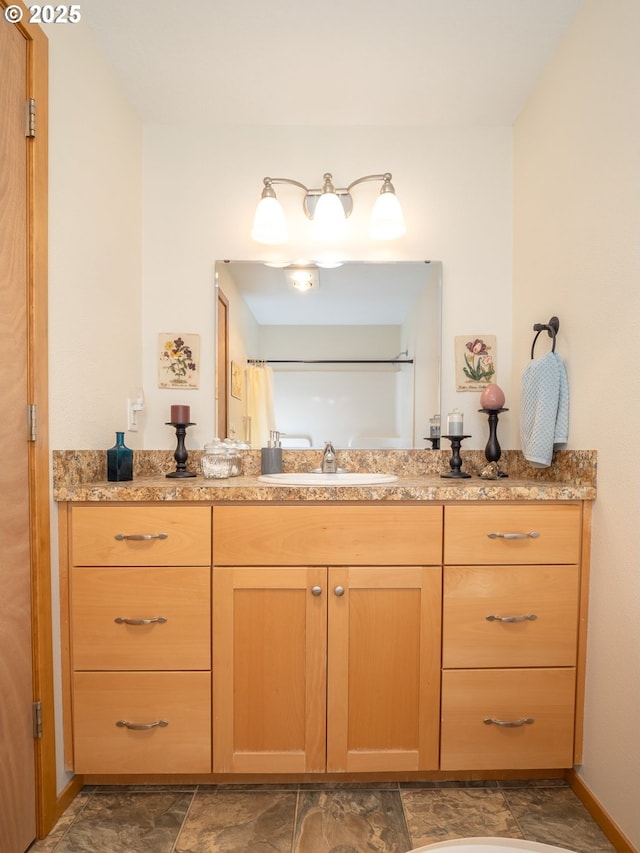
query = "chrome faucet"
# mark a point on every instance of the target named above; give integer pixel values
(329, 460)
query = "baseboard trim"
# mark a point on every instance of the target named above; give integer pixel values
(613, 832)
(68, 794)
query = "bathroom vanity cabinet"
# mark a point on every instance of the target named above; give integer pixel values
(267, 637)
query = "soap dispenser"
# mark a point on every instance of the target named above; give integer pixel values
(271, 456)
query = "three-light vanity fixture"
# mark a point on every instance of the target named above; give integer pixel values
(328, 208)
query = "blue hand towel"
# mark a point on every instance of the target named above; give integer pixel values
(544, 409)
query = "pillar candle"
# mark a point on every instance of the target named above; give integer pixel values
(454, 423)
(180, 415)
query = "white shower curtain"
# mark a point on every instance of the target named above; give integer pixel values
(260, 403)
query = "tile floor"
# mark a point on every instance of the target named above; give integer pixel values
(319, 818)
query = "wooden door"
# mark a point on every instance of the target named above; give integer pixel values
(269, 669)
(383, 668)
(17, 776)
(27, 772)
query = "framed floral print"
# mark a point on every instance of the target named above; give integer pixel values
(178, 360)
(475, 361)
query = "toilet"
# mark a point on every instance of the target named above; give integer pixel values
(490, 845)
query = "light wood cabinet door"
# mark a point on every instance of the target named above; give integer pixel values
(326, 669)
(497, 534)
(497, 719)
(383, 668)
(269, 669)
(141, 618)
(499, 616)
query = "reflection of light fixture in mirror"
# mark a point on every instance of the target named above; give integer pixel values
(328, 208)
(302, 279)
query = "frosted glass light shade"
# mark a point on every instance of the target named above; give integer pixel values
(269, 224)
(387, 221)
(329, 221)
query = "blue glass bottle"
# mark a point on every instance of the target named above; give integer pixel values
(119, 461)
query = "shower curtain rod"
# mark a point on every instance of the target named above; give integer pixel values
(330, 361)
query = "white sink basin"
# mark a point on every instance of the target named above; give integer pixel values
(310, 479)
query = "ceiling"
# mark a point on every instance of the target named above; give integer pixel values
(329, 63)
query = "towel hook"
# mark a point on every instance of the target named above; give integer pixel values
(552, 330)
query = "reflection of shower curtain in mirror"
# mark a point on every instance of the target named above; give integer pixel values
(260, 403)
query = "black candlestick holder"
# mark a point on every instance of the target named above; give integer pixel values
(455, 463)
(435, 442)
(492, 451)
(181, 453)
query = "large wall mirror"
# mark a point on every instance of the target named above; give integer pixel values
(354, 357)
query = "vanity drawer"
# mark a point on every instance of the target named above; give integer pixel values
(179, 597)
(327, 535)
(501, 534)
(546, 696)
(182, 699)
(474, 593)
(141, 536)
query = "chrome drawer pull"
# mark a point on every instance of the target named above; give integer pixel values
(123, 620)
(141, 727)
(533, 534)
(510, 724)
(316, 590)
(530, 617)
(140, 537)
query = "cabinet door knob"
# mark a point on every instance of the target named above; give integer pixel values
(511, 724)
(316, 590)
(339, 590)
(529, 617)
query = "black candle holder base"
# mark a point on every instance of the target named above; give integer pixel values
(181, 455)
(455, 462)
(492, 451)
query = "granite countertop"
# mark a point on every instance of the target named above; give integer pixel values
(80, 476)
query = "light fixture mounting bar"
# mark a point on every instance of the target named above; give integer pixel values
(387, 221)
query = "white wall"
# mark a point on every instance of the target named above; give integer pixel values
(577, 220)
(95, 207)
(95, 261)
(201, 189)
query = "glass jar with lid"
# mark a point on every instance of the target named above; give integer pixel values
(235, 459)
(216, 461)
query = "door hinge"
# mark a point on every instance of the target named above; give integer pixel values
(37, 719)
(30, 129)
(32, 424)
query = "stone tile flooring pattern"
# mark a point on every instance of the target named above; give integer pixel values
(319, 818)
